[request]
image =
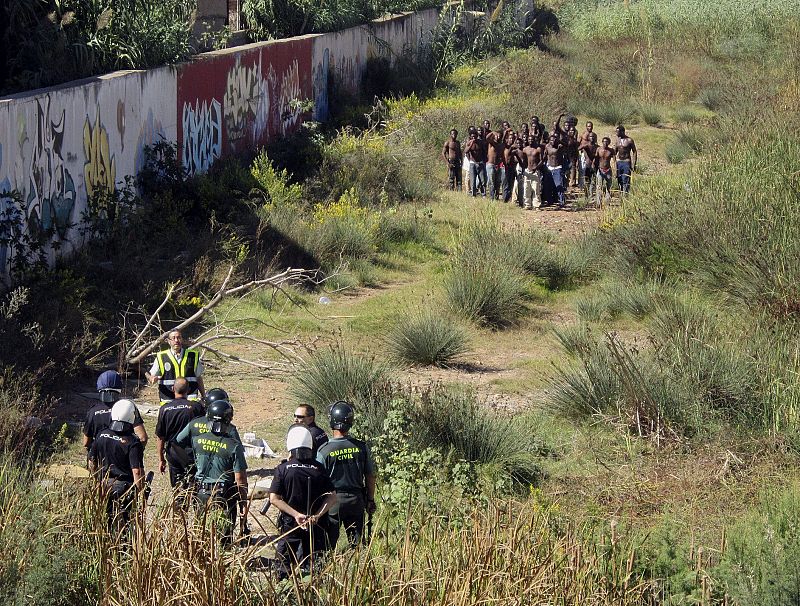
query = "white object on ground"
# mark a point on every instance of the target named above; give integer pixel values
(324, 300)
(257, 448)
(261, 489)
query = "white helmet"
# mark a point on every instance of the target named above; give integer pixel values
(123, 412)
(299, 437)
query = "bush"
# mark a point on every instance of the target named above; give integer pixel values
(487, 294)
(339, 373)
(610, 112)
(504, 450)
(677, 151)
(761, 564)
(651, 114)
(426, 337)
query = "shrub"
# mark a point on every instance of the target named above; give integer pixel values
(677, 151)
(610, 112)
(504, 450)
(760, 565)
(339, 373)
(489, 294)
(686, 115)
(651, 114)
(427, 337)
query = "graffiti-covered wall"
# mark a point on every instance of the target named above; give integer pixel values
(343, 55)
(59, 147)
(238, 99)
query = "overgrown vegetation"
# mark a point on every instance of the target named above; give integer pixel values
(55, 41)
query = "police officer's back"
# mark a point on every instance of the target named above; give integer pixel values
(117, 458)
(109, 388)
(352, 470)
(301, 489)
(221, 468)
(173, 417)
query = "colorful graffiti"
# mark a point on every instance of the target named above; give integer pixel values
(246, 104)
(202, 135)
(51, 190)
(100, 169)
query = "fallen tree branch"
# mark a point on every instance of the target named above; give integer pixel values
(288, 276)
(272, 366)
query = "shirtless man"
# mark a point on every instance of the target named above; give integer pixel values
(584, 163)
(537, 129)
(473, 151)
(588, 151)
(602, 163)
(494, 163)
(555, 164)
(451, 152)
(521, 143)
(571, 154)
(510, 164)
(531, 154)
(626, 159)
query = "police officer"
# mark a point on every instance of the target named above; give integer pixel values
(172, 418)
(300, 486)
(116, 456)
(109, 387)
(200, 425)
(177, 362)
(221, 477)
(306, 415)
(352, 471)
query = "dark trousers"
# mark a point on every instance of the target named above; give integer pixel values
(224, 497)
(624, 175)
(120, 497)
(509, 177)
(301, 547)
(454, 175)
(493, 180)
(348, 512)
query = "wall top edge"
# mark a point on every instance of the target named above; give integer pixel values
(119, 74)
(31, 94)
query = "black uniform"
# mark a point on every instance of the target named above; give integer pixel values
(303, 485)
(116, 455)
(99, 418)
(348, 461)
(318, 436)
(172, 418)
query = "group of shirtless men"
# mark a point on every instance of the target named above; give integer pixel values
(537, 167)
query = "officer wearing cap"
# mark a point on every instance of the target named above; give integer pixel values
(109, 386)
(306, 415)
(177, 362)
(299, 487)
(172, 418)
(221, 476)
(116, 457)
(352, 470)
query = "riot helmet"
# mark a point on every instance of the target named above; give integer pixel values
(213, 395)
(299, 442)
(341, 414)
(220, 415)
(109, 386)
(123, 414)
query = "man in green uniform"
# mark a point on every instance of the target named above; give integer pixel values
(221, 477)
(352, 471)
